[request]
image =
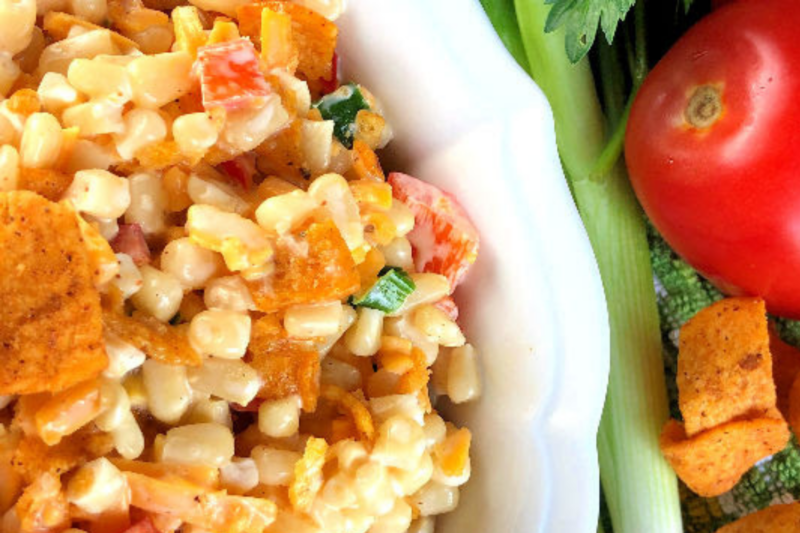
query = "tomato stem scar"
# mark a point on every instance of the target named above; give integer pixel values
(704, 107)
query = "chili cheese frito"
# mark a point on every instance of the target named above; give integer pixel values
(51, 332)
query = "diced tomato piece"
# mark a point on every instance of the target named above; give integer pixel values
(331, 83)
(444, 239)
(130, 240)
(241, 170)
(230, 75)
(448, 306)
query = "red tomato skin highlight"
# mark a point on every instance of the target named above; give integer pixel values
(727, 198)
(230, 75)
(444, 240)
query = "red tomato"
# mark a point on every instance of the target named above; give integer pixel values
(444, 240)
(230, 75)
(713, 150)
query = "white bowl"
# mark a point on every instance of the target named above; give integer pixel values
(469, 120)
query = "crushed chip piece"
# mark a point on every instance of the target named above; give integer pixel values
(159, 341)
(452, 453)
(286, 366)
(192, 504)
(311, 266)
(43, 505)
(417, 377)
(47, 182)
(51, 334)
(774, 519)
(713, 461)
(352, 407)
(206, 477)
(308, 475)
(725, 366)
(33, 457)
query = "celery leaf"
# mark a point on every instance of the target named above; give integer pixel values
(581, 19)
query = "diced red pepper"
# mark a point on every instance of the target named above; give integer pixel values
(230, 75)
(448, 306)
(241, 170)
(444, 239)
(330, 84)
(130, 240)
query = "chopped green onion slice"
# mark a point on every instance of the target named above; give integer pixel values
(387, 294)
(342, 107)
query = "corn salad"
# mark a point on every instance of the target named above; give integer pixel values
(218, 313)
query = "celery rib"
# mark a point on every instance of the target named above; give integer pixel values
(640, 487)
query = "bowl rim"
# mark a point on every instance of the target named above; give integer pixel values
(563, 427)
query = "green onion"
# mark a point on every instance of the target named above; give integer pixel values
(639, 486)
(342, 107)
(387, 294)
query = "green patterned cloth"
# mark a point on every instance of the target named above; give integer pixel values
(681, 293)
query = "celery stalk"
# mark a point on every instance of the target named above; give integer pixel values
(640, 488)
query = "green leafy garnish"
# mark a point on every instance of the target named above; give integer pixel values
(581, 18)
(387, 294)
(342, 107)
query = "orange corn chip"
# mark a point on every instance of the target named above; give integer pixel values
(713, 461)
(774, 519)
(314, 37)
(452, 453)
(308, 475)
(158, 341)
(24, 102)
(43, 505)
(370, 193)
(273, 186)
(353, 407)
(324, 273)
(160, 155)
(202, 476)
(286, 366)
(51, 334)
(382, 383)
(281, 155)
(367, 166)
(44, 181)
(33, 457)
(213, 511)
(395, 362)
(416, 378)
(68, 411)
(176, 183)
(343, 428)
(724, 365)
(785, 368)
(130, 16)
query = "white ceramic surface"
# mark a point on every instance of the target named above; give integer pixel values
(467, 119)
